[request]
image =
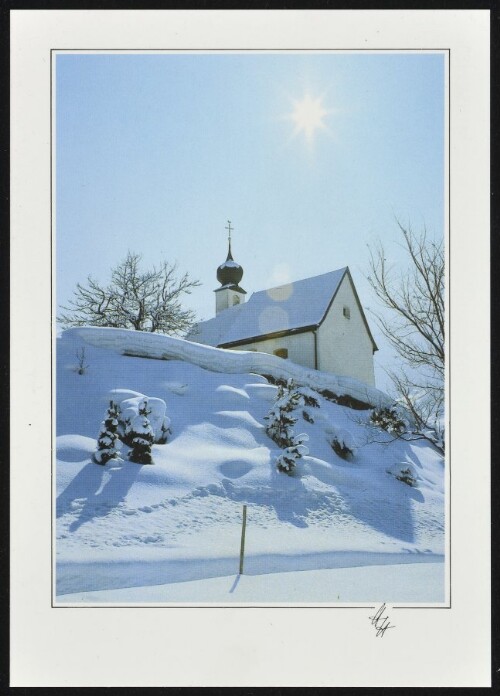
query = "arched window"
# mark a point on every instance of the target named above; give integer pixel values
(347, 312)
(236, 300)
(281, 352)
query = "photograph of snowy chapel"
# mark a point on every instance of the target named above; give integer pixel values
(250, 328)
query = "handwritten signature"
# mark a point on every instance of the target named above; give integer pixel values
(381, 623)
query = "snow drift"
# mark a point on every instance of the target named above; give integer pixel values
(152, 345)
(126, 525)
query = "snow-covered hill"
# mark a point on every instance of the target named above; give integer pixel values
(126, 525)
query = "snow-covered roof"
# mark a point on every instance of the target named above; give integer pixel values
(212, 331)
(285, 307)
(290, 307)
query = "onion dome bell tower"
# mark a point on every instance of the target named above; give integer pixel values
(229, 275)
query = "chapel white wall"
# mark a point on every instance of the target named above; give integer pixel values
(300, 347)
(344, 346)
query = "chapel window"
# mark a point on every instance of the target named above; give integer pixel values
(281, 352)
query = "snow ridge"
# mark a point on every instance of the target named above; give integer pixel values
(160, 346)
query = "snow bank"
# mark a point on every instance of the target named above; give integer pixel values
(159, 346)
(407, 582)
(124, 524)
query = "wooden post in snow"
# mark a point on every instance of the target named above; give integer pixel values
(242, 547)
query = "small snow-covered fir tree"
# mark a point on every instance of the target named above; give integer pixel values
(108, 435)
(165, 431)
(287, 460)
(281, 422)
(142, 436)
(160, 423)
(125, 429)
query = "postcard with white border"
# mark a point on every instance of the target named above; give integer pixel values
(244, 240)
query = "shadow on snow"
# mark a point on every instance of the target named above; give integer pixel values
(96, 491)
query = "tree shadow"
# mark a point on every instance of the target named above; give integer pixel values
(412, 458)
(286, 494)
(96, 491)
(292, 503)
(388, 509)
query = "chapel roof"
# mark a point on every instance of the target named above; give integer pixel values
(288, 308)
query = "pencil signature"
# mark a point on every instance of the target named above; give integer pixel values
(381, 623)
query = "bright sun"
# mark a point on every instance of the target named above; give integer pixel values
(309, 116)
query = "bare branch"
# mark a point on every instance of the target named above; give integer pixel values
(415, 324)
(141, 300)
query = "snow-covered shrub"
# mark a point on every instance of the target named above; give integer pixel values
(281, 421)
(165, 431)
(142, 436)
(125, 429)
(389, 419)
(108, 435)
(342, 443)
(307, 416)
(82, 361)
(286, 461)
(309, 395)
(159, 422)
(404, 472)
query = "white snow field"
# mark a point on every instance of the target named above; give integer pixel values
(334, 532)
(404, 582)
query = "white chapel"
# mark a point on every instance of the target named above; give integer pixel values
(317, 322)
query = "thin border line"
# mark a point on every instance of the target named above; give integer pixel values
(52, 395)
(166, 51)
(246, 50)
(213, 606)
(235, 606)
(6, 381)
(448, 325)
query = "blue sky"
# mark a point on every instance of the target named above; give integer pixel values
(155, 152)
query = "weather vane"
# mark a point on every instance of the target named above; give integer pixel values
(228, 227)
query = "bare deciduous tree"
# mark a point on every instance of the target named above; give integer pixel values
(135, 299)
(415, 326)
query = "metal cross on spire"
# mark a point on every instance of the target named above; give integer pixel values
(228, 228)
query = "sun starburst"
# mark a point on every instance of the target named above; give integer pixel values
(309, 116)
